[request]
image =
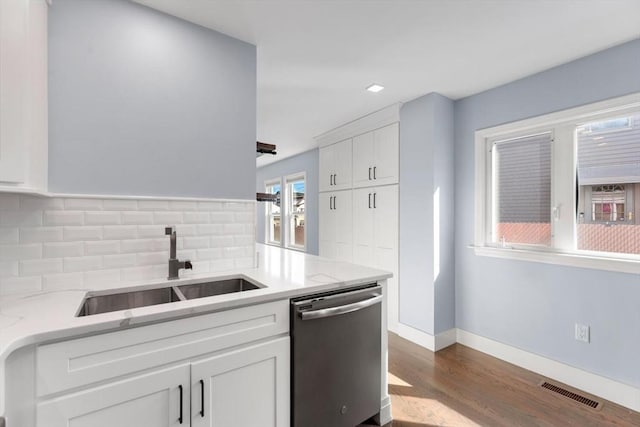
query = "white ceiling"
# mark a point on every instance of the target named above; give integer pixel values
(315, 57)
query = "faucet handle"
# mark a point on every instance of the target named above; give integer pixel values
(169, 230)
(188, 266)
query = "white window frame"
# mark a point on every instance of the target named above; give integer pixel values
(267, 221)
(301, 176)
(563, 249)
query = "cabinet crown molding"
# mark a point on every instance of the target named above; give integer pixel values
(372, 121)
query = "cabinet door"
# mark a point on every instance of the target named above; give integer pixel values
(363, 241)
(248, 387)
(363, 160)
(386, 155)
(342, 165)
(326, 230)
(13, 89)
(343, 223)
(148, 400)
(385, 253)
(326, 167)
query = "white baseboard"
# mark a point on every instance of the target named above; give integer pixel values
(423, 339)
(384, 417)
(597, 385)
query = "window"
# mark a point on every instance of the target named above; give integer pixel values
(566, 184)
(273, 214)
(295, 212)
(285, 219)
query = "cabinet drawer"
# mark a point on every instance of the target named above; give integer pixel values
(69, 364)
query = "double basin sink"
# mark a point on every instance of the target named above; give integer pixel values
(96, 304)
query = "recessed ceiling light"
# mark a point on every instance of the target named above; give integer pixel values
(375, 88)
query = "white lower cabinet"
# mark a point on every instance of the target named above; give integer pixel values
(237, 388)
(148, 400)
(228, 368)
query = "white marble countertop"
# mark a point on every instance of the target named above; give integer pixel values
(32, 318)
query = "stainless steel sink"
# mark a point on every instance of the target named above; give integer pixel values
(218, 287)
(96, 304)
(126, 300)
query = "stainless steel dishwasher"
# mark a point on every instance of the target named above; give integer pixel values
(336, 357)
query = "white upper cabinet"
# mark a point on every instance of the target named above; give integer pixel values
(23, 95)
(335, 237)
(376, 157)
(335, 166)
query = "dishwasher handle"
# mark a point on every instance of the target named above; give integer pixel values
(342, 309)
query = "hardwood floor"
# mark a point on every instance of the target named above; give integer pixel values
(459, 387)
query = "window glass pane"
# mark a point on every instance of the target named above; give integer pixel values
(608, 154)
(273, 214)
(297, 213)
(522, 190)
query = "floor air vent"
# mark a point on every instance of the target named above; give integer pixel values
(571, 395)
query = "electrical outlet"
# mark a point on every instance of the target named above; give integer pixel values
(582, 332)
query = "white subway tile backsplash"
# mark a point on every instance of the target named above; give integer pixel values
(8, 268)
(210, 229)
(83, 204)
(102, 218)
(234, 228)
(119, 261)
(186, 229)
(16, 285)
(180, 205)
(244, 262)
(40, 234)
(55, 243)
(120, 232)
(135, 246)
(153, 205)
(221, 241)
(102, 278)
(72, 234)
(152, 258)
(150, 231)
(38, 267)
(62, 250)
(8, 235)
(137, 218)
(21, 218)
(209, 254)
(54, 282)
(167, 218)
(120, 205)
(63, 218)
(196, 217)
(195, 242)
(9, 202)
(210, 206)
(102, 247)
(20, 252)
(31, 203)
(137, 274)
(221, 217)
(84, 263)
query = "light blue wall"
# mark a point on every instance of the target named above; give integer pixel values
(427, 177)
(306, 162)
(143, 103)
(534, 306)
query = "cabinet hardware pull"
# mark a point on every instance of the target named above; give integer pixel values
(331, 179)
(180, 417)
(369, 200)
(374, 200)
(369, 174)
(331, 203)
(334, 202)
(202, 398)
(335, 175)
(374, 172)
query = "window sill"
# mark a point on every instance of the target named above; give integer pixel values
(619, 265)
